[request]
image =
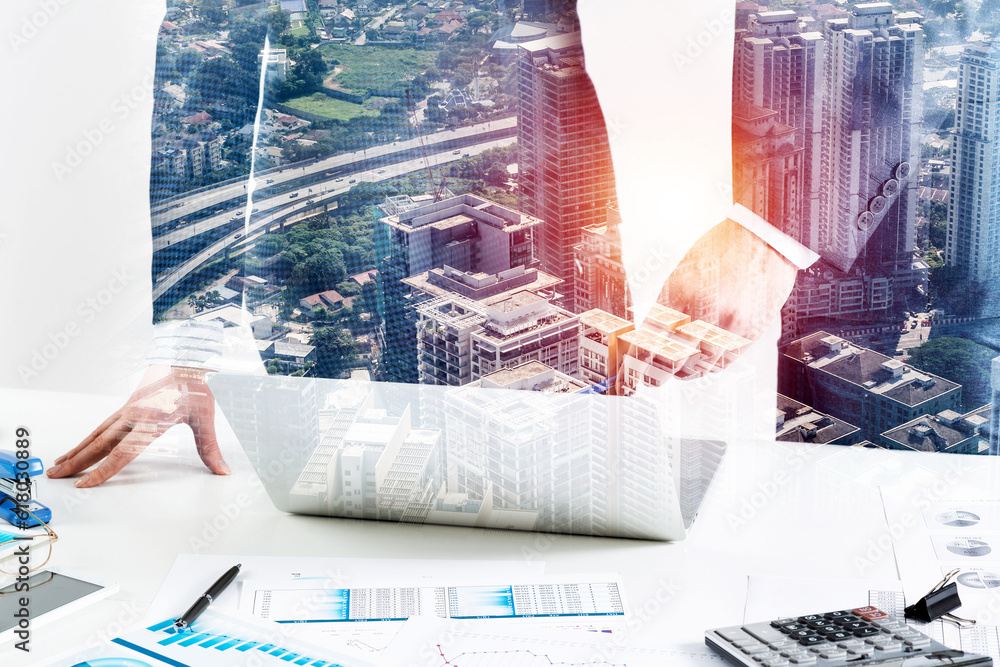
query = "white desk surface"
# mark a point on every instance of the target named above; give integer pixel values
(774, 509)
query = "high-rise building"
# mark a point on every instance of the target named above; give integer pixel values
(768, 169)
(973, 241)
(871, 142)
(545, 450)
(779, 66)
(601, 279)
(416, 234)
(565, 171)
(852, 91)
(994, 427)
(460, 340)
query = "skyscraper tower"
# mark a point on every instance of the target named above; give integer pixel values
(973, 241)
(566, 176)
(779, 67)
(871, 141)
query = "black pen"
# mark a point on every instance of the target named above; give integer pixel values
(201, 604)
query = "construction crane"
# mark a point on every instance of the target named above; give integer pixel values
(420, 138)
(440, 191)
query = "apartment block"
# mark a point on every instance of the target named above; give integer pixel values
(670, 345)
(861, 386)
(565, 171)
(973, 240)
(460, 340)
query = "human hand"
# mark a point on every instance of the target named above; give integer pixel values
(167, 395)
(732, 278)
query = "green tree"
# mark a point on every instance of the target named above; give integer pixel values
(959, 360)
(212, 12)
(335, 353)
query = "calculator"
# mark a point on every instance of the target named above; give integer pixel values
(846, 638)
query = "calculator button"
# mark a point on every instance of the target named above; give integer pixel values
(761, 657)
(781, 622)
(819, 623)
(792, 627)
(754, 649)
(783, 644)
(919, 642)
(731, 634)
(740, 643)
(799, 634)
(908, 634)
(879, 640)
(832, 653)
(828, 630)
(890, 646)
(854, 625)
(866, 631)
(810, 617)
(851, 643)
(889, 624)
(860, 611)
(776, 662)
(838, 614)
(874, 615)
(811, 640)
(838, 636)
(763, 632)
(803, 659)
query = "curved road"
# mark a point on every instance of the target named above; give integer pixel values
(257, 225)
(180, 207)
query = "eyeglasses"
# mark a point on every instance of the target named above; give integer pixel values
(50, 537)
(939, 603)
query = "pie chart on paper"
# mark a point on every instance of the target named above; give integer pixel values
(980, 580)
(969, 548)
(958, 518)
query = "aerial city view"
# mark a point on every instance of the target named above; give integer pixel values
(422, 192)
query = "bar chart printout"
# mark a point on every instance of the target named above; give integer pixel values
(218, 639)
(518, 601)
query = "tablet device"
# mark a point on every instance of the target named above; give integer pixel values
(52, 593)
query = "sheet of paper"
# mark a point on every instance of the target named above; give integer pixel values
(770, 597)
(368, 616)
(214, 639)
(933, 537)
(434, 642)
(191, 575)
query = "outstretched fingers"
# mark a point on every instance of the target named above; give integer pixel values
(94, 447)
(127, 449)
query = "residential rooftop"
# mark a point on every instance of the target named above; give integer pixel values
(868, 369)
(798, 422)
(947, 431)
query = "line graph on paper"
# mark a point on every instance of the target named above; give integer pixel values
(468, 649)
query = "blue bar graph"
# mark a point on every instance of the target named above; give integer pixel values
(481, 601)
(218, 634)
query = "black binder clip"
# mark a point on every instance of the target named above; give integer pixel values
(939, 603)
